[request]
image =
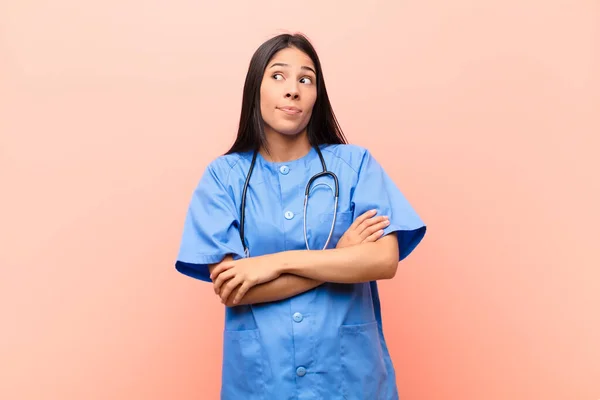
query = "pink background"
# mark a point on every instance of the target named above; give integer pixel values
(485, 113)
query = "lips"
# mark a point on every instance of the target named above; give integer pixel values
(290, 110)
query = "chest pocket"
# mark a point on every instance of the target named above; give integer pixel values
(343, 221)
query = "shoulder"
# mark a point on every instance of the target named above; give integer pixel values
(352, 155)
(222, 166)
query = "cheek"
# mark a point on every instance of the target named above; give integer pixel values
(310, 102)
(267, 103)
(264, 99)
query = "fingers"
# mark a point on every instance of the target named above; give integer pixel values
(220, 268)
(374, 236)
(373, 225)
(363, 217)
(222, 278)
(229, 287)
(242, 292)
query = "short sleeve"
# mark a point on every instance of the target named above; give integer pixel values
(211, 228)
(376, 190)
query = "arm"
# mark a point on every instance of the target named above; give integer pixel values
(283, 287)
(366, 229)
(362, 263)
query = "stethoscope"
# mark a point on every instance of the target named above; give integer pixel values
(306, 194)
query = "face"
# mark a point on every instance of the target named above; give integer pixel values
(288, 92)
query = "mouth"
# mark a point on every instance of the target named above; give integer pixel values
(290, 110)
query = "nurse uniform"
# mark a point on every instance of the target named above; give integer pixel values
(328, 342)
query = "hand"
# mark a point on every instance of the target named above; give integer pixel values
(366, 228)
(245, 273)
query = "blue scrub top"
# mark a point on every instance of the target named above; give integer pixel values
(326, 343)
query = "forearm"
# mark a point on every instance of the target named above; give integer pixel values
(361, 263)
(287, 285)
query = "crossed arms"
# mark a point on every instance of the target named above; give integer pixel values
(361, 255)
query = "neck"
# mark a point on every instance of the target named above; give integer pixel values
(282, 148)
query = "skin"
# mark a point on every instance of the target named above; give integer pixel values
(366, 228)
(288, 81)
(361, 255)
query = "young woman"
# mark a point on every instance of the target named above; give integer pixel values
(294, 227)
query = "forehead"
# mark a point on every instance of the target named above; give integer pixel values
(293, 57)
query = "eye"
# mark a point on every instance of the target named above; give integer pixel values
(307, 80)
(278, 77)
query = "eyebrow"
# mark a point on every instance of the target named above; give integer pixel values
(287, 65)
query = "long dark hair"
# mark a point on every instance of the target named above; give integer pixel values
(323, 127)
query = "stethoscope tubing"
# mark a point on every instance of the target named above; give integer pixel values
(325, 172)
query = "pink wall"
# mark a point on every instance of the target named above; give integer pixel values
(486, 113)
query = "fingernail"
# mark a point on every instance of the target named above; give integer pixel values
(387, 222)
(373, 211)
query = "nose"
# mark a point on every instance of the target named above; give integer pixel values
(292, 91)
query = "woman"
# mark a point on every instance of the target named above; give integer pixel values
(300, 324)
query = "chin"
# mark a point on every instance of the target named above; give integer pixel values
(288, 130)
(289, 133)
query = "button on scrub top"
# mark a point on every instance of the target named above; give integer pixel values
(326, 343)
